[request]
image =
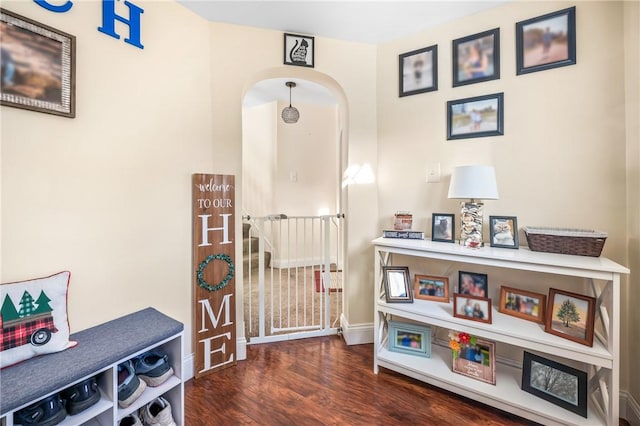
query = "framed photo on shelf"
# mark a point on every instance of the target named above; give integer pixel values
(418, 71)
(38, 66)
(430, 287)
(522, 304)
(473, 284)
(412, 339)
(472, 308)
(443, 227)
(503, 231)
(554, 382)
(477, 361)
(570, 315)
(476, 58)
(475, 117)
(396, 284)
(547, 41)
(299, 50)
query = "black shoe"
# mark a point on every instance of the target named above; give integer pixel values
(46, 412)
(81, 396)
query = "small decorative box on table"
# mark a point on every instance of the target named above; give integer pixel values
(581, 242)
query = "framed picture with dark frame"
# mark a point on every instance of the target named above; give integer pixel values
(476, 58)
(443, 227)
(547, 41)
(477, 361)
(407, 338)
(38, 66)
(418, 71)
(570, 315)
(429, 287)
(522, 304)
(503, 231)
(472, 307)
(476, 117)
(557, 383)
(473, 284)
(396, 284)
(299, 50)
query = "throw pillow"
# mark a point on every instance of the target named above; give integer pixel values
(33, 318)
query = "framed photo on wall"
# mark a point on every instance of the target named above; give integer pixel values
(418, 71)
(409, 338)
(38, 66)
(396, 284)
(299, 50)
(443, 227)
(522, 304)
(570, 315)
(475, 117)
(503, 231)
(476, 58)
(547, 41)
(429, 287)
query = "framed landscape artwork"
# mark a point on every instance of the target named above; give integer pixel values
(571, 315)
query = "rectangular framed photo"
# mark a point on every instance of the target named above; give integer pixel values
(38, 66)
(443, 227)
(476, 58)
(554, 382)
(475, 117)
(570, 315)
(503, 231)
(547, 41)
(410, 339)
(472, 308)
(396, 284)
(522, 304)
(477, 361)
(429, 287)
(299, 50)
(418, 71)
(473, 284)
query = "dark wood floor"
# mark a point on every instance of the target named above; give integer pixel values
(323, 381)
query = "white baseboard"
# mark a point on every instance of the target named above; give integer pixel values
(356, 334)
(629, 408)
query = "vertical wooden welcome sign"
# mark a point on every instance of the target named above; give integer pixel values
(214, 281)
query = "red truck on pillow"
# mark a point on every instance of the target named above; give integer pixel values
(32, 323)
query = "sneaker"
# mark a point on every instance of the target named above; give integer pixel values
(46, 412)
(157, 413)
(130, 420)
(130, 387)
(81, 396)
(153, 367)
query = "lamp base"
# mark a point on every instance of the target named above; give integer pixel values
(471, 224)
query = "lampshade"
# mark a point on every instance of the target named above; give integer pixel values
(474, 182)
(290, 114)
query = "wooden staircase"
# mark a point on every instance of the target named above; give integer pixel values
(250, 255)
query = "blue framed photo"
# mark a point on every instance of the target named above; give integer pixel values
(412, 339)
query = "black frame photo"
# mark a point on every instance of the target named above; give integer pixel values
(503, 231)
(397, 286)
(299, 50)
(473, 284)
(475, 117)
(554, 382)
(418, 71)
(547, 41)
(443, 227)
(38, 66)
(476, 58)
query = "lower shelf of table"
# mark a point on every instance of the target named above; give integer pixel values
(506, 394)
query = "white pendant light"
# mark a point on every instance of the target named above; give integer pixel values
(290, 114)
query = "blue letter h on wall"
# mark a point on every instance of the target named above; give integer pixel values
(109, 18)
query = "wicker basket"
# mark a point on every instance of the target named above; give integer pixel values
(580, 242)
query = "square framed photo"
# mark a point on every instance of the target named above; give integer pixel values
(476, 117)
(477, 361)
(429, 287)
(396, 284)
(443, 227)
(473, 284)
(472, 308)
(476, 58)
(522, 304)
(418, 71)
(554, 382)
(570, 315)
(410, 339)
(503, 231)
(38, 66)
(299, 50)
(547, 41)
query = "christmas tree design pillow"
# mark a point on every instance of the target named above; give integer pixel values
(33, 318)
